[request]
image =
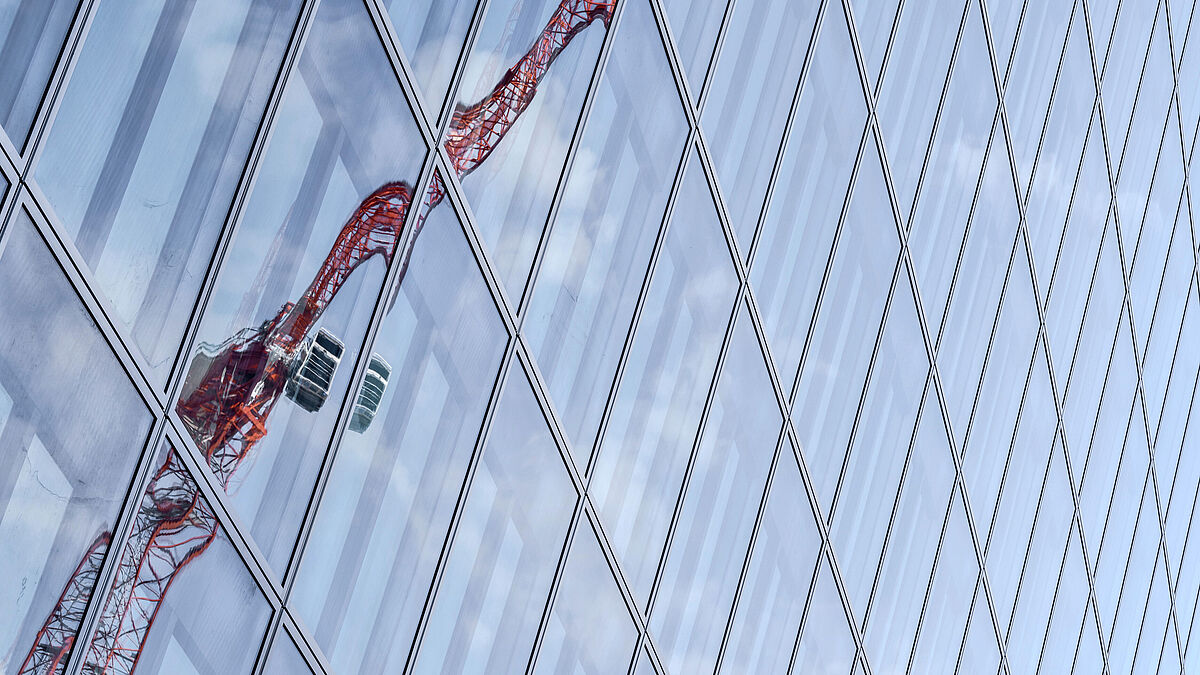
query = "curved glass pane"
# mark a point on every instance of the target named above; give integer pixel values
(148, 146)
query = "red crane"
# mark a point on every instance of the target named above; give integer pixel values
(225, 409)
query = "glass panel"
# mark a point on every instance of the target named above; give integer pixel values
(511, 194)
(149, 144)
(301, 277)
(1089, 658)
(285, 658)
(826, 645)
(1030, 83)
(904, 572)
(1123, 66)
(695, 25)
(389, 500)
(1058, 160)
(1018, 481)
(814, 177)
(874, 20)
(1068, 285)
(182, 600)
(644, 665)
(776, 585)
(978, 286)
(667, 377)
(881, 442)
(589, 630)
(721, 503)
(506, 546)
(917, 67)
(1111, 424)
(433, 34)
(1154, 241)
(1154, 625)
(1008, 369)
(848, 325)
(1173, 291)
(1070, 604)
(1004, 18)
(1130, 510)
(980, 652)
(600, 245)
(1138, 572)
(1043, 566)
(943, 207)
(949, 601)
(33, 33)
(71, 430)
(751, 93)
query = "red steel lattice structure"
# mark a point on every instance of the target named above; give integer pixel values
(226, 411)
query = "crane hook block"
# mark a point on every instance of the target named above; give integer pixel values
(312, 372)
(370, 395)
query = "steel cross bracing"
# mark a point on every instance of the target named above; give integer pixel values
(232, 387)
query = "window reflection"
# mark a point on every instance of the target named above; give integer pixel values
(847, 327)
(71, 430)
(752, 89)
(810, 192)
(661, 396)
(590, 631)
(214, 617)
(149, 143)
(604, 232)
(695, 26)
(389, 499)
(771, 605)
(432, 33)
(31, 38)
(722, 500)
(826, 645)
(511, 193)
(487, 609)
(297, 283)
(285, 657)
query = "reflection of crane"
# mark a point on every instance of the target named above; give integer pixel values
(232, 387)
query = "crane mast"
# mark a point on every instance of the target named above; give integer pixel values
(238, 382)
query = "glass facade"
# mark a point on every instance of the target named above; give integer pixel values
(599, 336)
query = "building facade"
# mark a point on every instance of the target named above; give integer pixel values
(598, 336)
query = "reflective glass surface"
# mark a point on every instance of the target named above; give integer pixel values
(289, 285)
(754, 336)
(589, 630)
(71, 430)
(285, 658)
(432, 33)
(601, 241)
(726, 486)
(148, 145)
(656, 414)
(514, 523)
(387, 505)
(33, 33)
(182, 600)
(747, 105)
(511, 191)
